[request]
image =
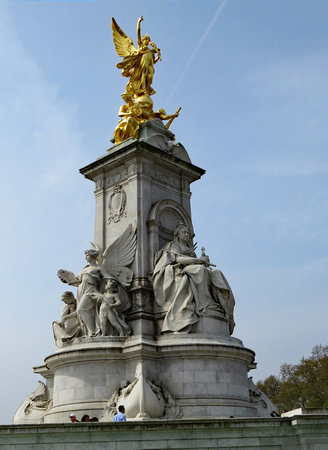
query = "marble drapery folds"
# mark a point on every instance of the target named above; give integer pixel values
(187, 287)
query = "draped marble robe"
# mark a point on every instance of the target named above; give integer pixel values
(187, 291)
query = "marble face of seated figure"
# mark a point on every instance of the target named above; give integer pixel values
(187, 287)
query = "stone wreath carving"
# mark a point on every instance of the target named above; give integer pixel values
(116, 205)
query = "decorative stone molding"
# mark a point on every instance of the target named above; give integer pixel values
(163, 176)
(136, 152)
(141, 300)
(99, 183)
(118, 176)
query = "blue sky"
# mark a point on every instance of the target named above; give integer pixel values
(251, 78)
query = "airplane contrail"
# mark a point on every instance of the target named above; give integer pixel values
(200, 43)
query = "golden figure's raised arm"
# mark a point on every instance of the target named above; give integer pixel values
(139, 31)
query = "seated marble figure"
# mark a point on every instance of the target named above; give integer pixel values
(188, 287)
(68, 326)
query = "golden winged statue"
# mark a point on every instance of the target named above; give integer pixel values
(138, 66)
(138, 63)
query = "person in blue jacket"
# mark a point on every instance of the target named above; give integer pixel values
(120, 417)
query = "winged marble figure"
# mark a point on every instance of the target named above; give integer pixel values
(103, 266)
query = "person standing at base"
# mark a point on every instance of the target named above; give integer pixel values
(120, 417)
(73, 418)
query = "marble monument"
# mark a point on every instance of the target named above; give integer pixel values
(150, 324)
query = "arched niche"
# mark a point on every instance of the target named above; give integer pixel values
(163, 219)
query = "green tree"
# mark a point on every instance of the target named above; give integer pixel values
(303, 384)
(270, 386)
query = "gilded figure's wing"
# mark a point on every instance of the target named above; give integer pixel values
(123, 44)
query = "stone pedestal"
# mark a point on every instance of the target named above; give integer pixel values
(207, 377)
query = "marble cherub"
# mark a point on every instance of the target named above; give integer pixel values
(109, 306)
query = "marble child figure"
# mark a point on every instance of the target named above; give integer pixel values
(187, 287)
(108, 315)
